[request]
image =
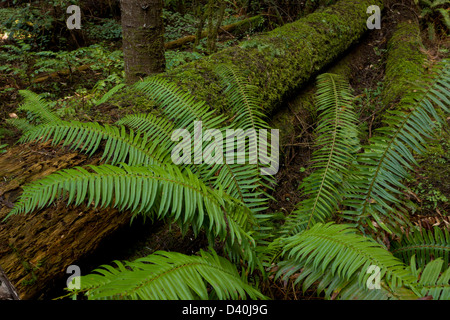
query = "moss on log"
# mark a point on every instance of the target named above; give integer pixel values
(301, 110)
(282, 60)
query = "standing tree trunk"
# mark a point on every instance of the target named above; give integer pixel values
(143, 38)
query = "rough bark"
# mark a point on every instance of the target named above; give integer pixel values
(143, 38)
(37, 248)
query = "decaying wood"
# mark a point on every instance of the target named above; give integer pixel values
(37, 248)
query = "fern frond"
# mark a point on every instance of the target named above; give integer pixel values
(431, 280)
(424, 245)
(169, 276)
(121, 146)
(445, 16)
(21, 124)
(178, 105)
(153, 191)
(109, 94)
(238, 180)
(374, 193)
(243, 98)
(347, 253)
(38, 107)
(336, 144)
(156, 128)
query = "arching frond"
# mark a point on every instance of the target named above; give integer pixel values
(109, 94)
(424, 245)
(121, 146)
(22, 124)
(432, 281)
(156, 128)
(336, 144)
(240, 181)
(38, 107)
(243, 98)
(169, 276)
(347, 253)
(374, 194)
(178, 105)
(153, 191)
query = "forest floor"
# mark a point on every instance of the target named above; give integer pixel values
(73, 92)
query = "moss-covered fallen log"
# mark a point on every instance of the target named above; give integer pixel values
(405, 63)
(282, 60)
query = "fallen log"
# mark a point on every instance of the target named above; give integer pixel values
(237, 27)
(37, 248)
(405, 62)
(281, 60)
(59, 73)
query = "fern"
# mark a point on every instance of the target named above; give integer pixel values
(375, 189)
(21, 124)
(120, 145)
(146, 190)
(38, 107)
(431, 281)
(109, 94)
(169, 276)
(335, 148)
(347, 254)
(424, 245)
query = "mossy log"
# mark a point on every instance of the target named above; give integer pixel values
(36, 249)
(282, 60)
(405, 63)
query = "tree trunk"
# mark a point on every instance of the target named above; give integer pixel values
(143, 38)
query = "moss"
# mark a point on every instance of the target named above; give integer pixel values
(282, 60)
(405, 62)
(303, 106)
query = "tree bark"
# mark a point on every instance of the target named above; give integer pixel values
(143, 38)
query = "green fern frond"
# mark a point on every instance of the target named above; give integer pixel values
(375, 191)
(21, 124)
(424, 245)
(157, 128)
(432, 281)
(169, 276)
(178, 105)
(152, 191)
(445, 16)
(109, 94)
(243, 98)
(347, 253)
(37, 106)
(336, 144)
(121, 146)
